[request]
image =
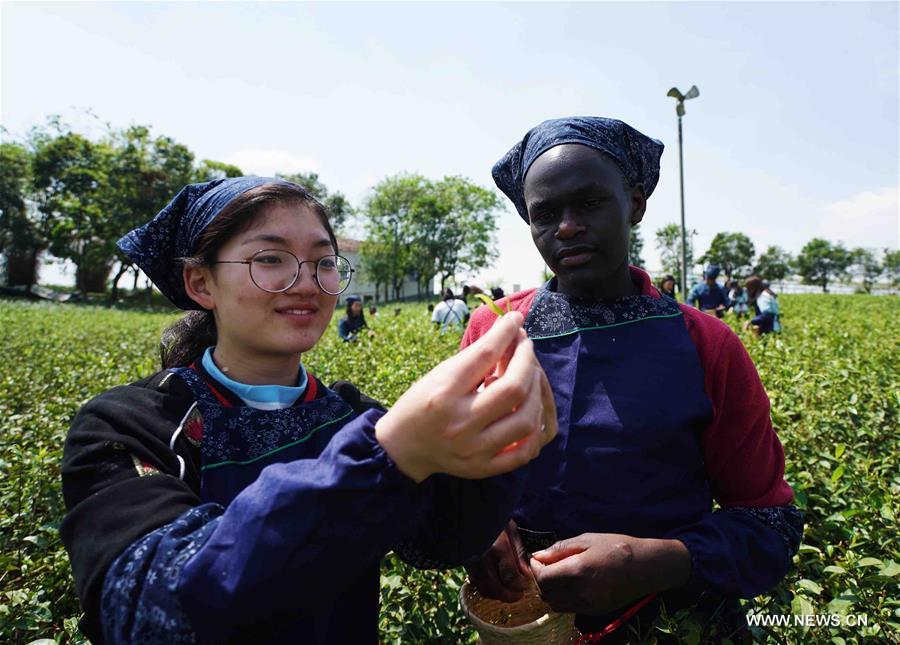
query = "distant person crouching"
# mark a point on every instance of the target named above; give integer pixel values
(350, 325)
(738, 297)
(765, 304)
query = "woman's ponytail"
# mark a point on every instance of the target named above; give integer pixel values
(185, 341)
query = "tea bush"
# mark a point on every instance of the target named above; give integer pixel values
(832, 377)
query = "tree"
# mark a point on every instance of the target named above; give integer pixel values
(891, 262)
(391, 216)
(209, 170)
(820, 262)
(635, 246)
(464, 234)
(147, 172)
(866, 266)
(668, 243)
(774, 264)
(340, 212)
(71, 183)
(731, 251)
(21, 241)
(422, 228)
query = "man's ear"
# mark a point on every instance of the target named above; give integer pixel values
(638, 204)
(197, 285)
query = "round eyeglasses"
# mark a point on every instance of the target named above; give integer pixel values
(275, 271)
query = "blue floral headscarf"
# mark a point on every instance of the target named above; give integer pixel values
(174, 232)
(636, 155)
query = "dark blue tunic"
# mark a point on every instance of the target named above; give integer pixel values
(709, 297)
(296, 508)
(622, 462)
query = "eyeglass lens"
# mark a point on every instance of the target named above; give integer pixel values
(277, 271)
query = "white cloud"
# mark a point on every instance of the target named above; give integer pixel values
(869, 219)
(268, 161)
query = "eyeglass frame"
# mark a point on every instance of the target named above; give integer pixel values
(300, 264)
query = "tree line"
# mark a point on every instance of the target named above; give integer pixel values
(820, 262)
(73, 196)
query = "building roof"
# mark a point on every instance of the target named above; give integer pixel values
(346, 244)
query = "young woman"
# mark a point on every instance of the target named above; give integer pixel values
(232, 496)
(353, 322)
(667, 286)
(765, 304)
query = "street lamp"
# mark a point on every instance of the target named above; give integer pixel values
(679, 110)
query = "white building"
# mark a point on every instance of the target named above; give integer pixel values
(360, 286)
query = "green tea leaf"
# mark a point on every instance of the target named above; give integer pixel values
(890, 569)
(491, 304)
(869, 562)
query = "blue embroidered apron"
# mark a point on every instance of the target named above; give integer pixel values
(631, 405)
(238, 442)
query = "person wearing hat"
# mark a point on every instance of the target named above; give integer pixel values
(710, 296)
(350, 325)
(618, 512)
(232, 496)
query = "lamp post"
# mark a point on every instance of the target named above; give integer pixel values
(679, 110)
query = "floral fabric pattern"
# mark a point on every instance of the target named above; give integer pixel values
(246, 434)
(139, 602)
(787, 521)
(554, 314)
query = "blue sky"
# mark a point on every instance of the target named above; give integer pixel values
(795, 133)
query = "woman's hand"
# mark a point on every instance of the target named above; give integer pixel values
(596, 573)
(503, 573)
(443, 425)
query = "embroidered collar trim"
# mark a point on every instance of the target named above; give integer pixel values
(553, 314)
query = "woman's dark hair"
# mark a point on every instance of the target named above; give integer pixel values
(755, 286)
(350, 309)
(665, 279)
(185, 341)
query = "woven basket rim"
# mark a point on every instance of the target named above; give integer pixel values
(519, 629)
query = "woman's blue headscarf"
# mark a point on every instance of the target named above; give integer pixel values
(174, 232)
(636, 155)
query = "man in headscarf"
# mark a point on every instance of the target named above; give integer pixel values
(710, 296)
(618, 510)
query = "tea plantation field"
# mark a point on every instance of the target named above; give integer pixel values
(832, 377)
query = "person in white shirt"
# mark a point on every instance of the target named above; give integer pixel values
(450, 311)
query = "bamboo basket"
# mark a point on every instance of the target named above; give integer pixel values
(528, 621)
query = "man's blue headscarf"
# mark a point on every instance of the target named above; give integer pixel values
(712, 271)
(636, 155)
(174, 232)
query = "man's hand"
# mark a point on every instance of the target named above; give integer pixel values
(596, 573)
(503, 573)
